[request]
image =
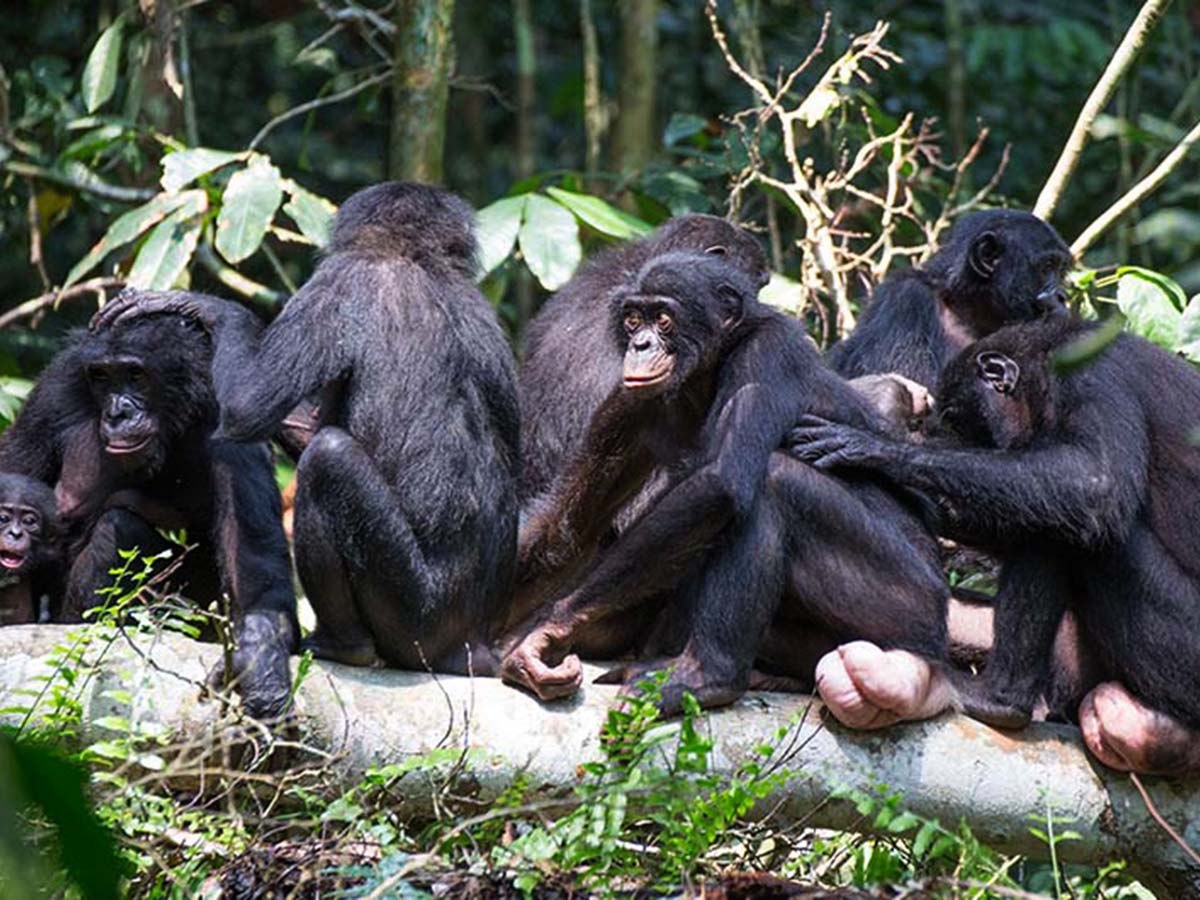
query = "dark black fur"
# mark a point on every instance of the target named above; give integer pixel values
(998, 267)
(405, 515)
(570, 368)
(29, 548)
(742, 538)
(1087, 482)
(143, 388)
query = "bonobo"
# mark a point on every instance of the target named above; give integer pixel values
(1085, 481)
(998, 267)
(121, 423)
(570, 366)
(742, 556)
(406, 509)
(29, 555)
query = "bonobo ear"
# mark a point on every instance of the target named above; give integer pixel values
(984, 253)
(998, 371)
(730, 303)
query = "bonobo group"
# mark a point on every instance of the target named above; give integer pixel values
(673, 480)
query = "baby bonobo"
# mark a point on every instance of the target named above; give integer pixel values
(28, 547)
(1085, 479)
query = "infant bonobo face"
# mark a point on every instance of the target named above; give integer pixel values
(21, 528)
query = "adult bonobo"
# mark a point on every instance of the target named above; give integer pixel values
(742, 555)
(29, 551)
(998, 267)
(121, 423)
(570, 367)
(1087, 481)
(406, 509)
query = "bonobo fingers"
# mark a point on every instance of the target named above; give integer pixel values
(130, 305)
(1125, 734)
(526, 666)
(979, 703)
(261, 673)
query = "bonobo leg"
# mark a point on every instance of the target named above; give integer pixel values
(87, 583)
(374, 592)
(865, 573)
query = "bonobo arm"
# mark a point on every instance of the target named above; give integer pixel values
(603, 473)
(33, 445)
(1080, 485)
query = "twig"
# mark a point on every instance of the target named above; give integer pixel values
(96, 186)
(97, 286)
(317, 104)
(1122, 59)
(262, 295)
(35, 236)
(1136, 193)
(1163, 823)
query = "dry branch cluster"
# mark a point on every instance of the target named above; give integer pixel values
(874, 182)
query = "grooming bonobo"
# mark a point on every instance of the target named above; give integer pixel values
(1086, 481)
(121, 423)
(406, 509)
(738, 564)
(29, 553)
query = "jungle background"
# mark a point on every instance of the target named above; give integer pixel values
(206, 144)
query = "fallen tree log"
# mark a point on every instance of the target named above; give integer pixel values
(952, 768)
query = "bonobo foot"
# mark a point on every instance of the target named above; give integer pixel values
(541, 665)
(685, 675)
(865, 687)
(350, 653)
(980, 701)
(1128, 736)
(261, 674)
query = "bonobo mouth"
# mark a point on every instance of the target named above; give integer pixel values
(125, 446)
(641, 374)
(12, 559)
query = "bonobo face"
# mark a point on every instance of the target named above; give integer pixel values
(20, 530)
(1014, 269)
(122, 390)
(651, 350)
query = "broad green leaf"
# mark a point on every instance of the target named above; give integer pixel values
(312, 214)
(784, 294)
(1189, 330)
(184, 166)
(1148, 306)
(602, 216)
(127, 227)
(1167, 285)
(683, 125)
(169, 248)
(497, 225)
(249, 204)
(100, 71)
(549, 241)
(92, 142)
(1082, 350)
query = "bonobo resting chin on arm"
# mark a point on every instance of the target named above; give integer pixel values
(1087, 481)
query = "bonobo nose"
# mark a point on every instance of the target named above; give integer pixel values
(118, 411)
(641, 344)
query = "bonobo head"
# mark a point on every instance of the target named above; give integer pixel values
(699, 233)
(149, 383)
(28, 524)
(674, 321)
(1003, 266)
(428, 225)
(1001, 391)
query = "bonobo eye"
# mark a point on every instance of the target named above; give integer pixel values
(998, 371)
(30, 521)
(633, 321)
(97, 375)
(665, 323)
(716, 250)
(5, 518)
(137, 375)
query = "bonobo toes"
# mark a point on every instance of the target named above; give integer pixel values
(983, 703)
(361, 653)
(684, 676)
(261, 674)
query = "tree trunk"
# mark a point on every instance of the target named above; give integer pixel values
(1001, 784)
(424, 61)
(636, 136)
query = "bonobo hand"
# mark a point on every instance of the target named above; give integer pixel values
(828, 444)
(261, 674)
(132, 304)
(540, 664)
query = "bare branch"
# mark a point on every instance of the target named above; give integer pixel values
(1137, 193)
(317, 104)
(1121, 60)
(91, 186)
(49, 300)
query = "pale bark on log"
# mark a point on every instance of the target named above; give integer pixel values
(951, 768)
